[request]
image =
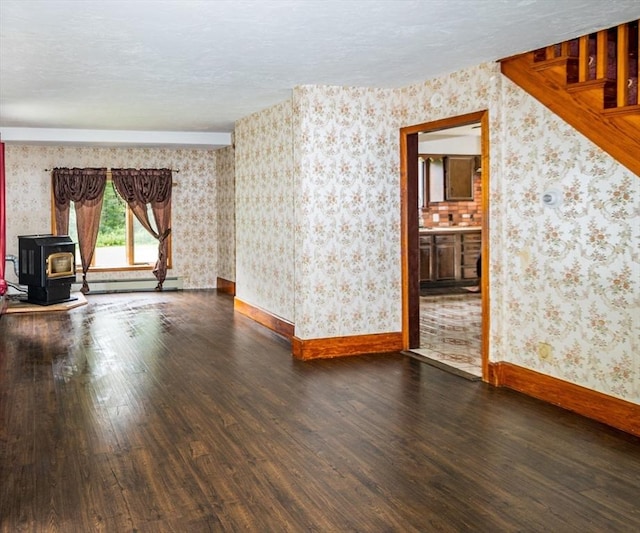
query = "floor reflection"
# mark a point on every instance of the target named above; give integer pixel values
(451, 330)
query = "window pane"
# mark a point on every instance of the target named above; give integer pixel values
(145, 246)
(73, 231)
(111, 245)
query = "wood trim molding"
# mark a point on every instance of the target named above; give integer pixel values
(609, 410)
(346, 346)
(485, 247)
(226, 286)
(264, 318)
(405, 208)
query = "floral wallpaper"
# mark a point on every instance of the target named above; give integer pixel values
(194, 222)
(569, 276)
(347, 191)
(565, 282)
(265, 210)
(226, 213)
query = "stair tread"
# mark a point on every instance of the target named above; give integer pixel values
(590, 84)
(550, 63)
(629, 110)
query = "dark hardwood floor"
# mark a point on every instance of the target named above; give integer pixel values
(168, 412)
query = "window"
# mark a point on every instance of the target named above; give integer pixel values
(123, 243)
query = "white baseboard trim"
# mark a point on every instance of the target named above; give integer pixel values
(129, 285)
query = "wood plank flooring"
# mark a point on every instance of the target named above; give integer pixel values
(158, 412)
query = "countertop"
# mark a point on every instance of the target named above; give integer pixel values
(450, 229)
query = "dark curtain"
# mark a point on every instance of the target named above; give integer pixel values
(85, 188)
(3, 228)
(139, 187)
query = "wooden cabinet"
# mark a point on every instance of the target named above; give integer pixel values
(448, 257)
(425, 258)
(470, 246)
(445, 259)
(459, 173)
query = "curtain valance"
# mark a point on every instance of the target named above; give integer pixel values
(78, 184)
(144, 185)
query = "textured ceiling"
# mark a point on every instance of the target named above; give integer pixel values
(198, 66)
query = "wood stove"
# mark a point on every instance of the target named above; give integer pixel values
(47, 265)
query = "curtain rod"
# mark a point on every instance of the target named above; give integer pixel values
(173, 183)
(109, 170)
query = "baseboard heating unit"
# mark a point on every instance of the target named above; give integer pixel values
(129, 285)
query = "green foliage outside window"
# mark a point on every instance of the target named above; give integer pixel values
(112, 234)
(112, 220)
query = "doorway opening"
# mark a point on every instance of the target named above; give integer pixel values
(444, 231)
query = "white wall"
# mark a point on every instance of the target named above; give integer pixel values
(464, 145)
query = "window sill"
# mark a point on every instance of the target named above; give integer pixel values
(128, 268)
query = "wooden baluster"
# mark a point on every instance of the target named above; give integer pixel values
(550, 52)
(623, 65)
(583, 58)
(602, 55)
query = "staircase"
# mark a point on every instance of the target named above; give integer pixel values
(592, 83)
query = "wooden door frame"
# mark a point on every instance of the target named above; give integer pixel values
(409, 226)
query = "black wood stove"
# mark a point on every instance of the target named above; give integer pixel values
(47, 265)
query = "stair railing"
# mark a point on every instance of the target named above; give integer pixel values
(607, 58)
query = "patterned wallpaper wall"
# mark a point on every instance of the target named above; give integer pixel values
(347, 212)
(565, 283)
(226, 213)
(265, 210)
(568, 278)
(194, 230)
(565, 289)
